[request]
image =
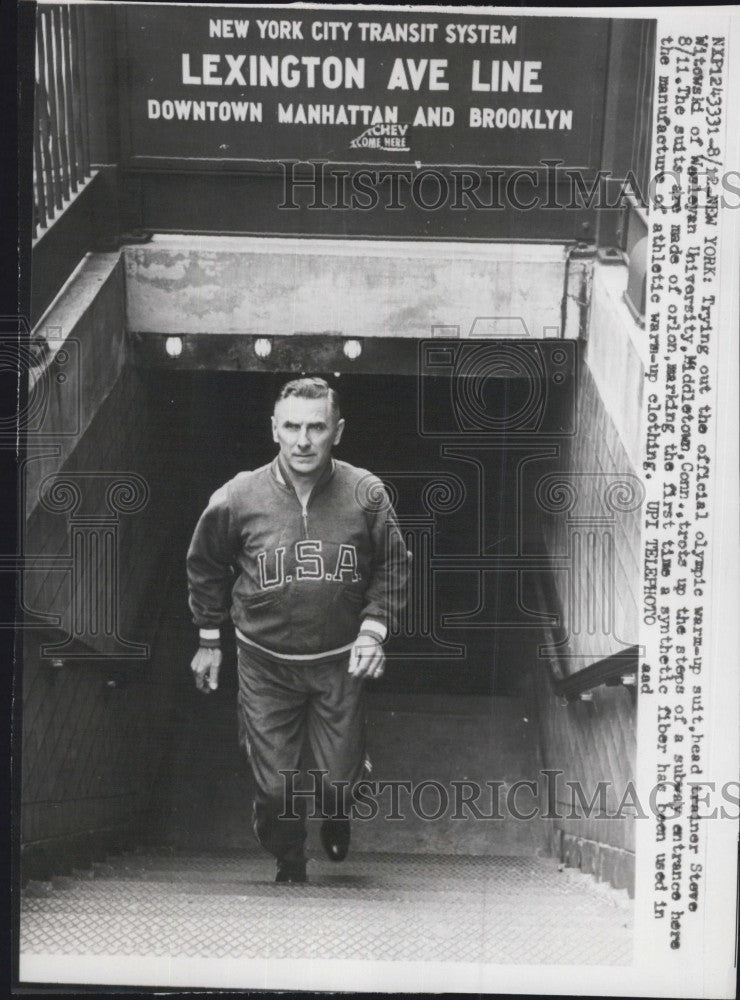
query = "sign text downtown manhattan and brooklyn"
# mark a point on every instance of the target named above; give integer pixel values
(261, 85)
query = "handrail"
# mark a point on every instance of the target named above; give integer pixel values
(620, 668)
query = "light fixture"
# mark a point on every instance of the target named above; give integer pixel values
(263, 347)
(173, 346)
(352, 349)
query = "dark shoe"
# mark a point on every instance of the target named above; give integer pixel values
(291, 871)
(335, 838)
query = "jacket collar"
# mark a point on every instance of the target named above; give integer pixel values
(283, 478)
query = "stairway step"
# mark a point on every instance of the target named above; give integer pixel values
(376, 906)
(321, 884)
(360, 874)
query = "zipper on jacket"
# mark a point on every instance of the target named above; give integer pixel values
(304, 506)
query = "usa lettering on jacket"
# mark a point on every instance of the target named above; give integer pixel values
(309, 564)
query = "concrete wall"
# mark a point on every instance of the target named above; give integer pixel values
(80, 343)
(93, 729)
(349, 287)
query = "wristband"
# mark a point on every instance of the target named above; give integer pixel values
(209, 638)
(370, 635)
(373, 626)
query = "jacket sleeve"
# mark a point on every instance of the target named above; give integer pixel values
(387, 593)
(210, 563)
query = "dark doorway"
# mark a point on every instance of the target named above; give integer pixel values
(220, 422)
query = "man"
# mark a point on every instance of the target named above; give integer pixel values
(320, 568)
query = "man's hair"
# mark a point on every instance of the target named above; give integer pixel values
(311, 388)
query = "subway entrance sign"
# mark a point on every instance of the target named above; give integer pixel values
(245, 88)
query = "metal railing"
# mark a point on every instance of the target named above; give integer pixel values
(61, 154)
(620, 668)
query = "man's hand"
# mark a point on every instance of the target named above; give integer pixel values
(367, 657)
(205, 666)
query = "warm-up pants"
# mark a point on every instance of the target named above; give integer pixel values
(280, 705)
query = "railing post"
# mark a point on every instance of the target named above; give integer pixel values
(81, 48)
(66, 48)
(48, 77)
(77, 70)
(55, 15)
(38, 174)
(42, 116)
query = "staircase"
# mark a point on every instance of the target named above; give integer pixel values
(145, 918)
(464, 891)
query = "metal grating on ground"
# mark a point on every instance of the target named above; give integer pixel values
(374, 907)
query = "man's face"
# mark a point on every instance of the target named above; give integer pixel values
(306, 431)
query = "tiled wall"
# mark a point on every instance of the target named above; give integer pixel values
(90, 750)
(593, 533)
(591, 742)
(599, 506)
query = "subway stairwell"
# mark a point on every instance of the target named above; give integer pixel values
(135, 817)
(490, 362)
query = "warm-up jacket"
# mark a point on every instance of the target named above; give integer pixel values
(306, 578)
